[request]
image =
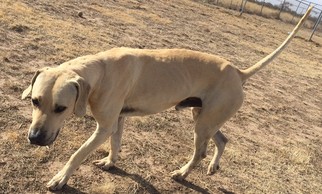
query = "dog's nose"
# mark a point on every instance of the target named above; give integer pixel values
(36, 137)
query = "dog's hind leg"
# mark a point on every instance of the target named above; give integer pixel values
(195, 113)
(209, 119)
(115, 146)
(201, 142)
(203, 132)
(220, 141)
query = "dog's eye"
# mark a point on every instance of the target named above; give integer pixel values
(60, 109)
(35, 102)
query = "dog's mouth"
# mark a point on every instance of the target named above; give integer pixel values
(55, 137)
(52, 138)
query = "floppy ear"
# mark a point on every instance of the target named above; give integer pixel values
(83, 90)
(28, 90)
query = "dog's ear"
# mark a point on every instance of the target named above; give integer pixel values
(83, 90)
(27, 91)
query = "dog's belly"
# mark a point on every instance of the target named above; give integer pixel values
(129, 111)
(133, 110)
(143, 109)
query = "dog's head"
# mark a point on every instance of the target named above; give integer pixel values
(55, 95)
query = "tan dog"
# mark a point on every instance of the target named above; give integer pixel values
(133, 82)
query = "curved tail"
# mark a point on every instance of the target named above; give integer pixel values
(245, 74)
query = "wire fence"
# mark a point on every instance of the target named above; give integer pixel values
(286, 10)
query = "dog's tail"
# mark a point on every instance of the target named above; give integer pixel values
(245, 74)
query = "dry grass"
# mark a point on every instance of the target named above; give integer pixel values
(106, 188)
(275, 139)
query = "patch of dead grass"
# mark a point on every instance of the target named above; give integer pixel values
(106, 188)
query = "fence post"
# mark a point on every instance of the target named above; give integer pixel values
(242, 7)
(262, 7)
(279, 14)
(316, 25)
(296, 10)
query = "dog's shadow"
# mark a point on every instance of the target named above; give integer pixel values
(193, 186)
(137, 178)
(143, 183)
(148, 186)
(68, 190)
(202, 190)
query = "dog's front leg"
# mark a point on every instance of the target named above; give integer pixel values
(96, 139)
(115, 146)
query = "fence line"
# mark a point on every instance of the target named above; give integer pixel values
(285, 6)
(316, 25)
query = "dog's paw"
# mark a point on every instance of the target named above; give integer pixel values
(212, 169)
(178, 175)
(57, 182)
(104, 163)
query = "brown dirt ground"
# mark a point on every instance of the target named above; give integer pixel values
(275, 138)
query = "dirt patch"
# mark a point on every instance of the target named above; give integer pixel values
(275, 138)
